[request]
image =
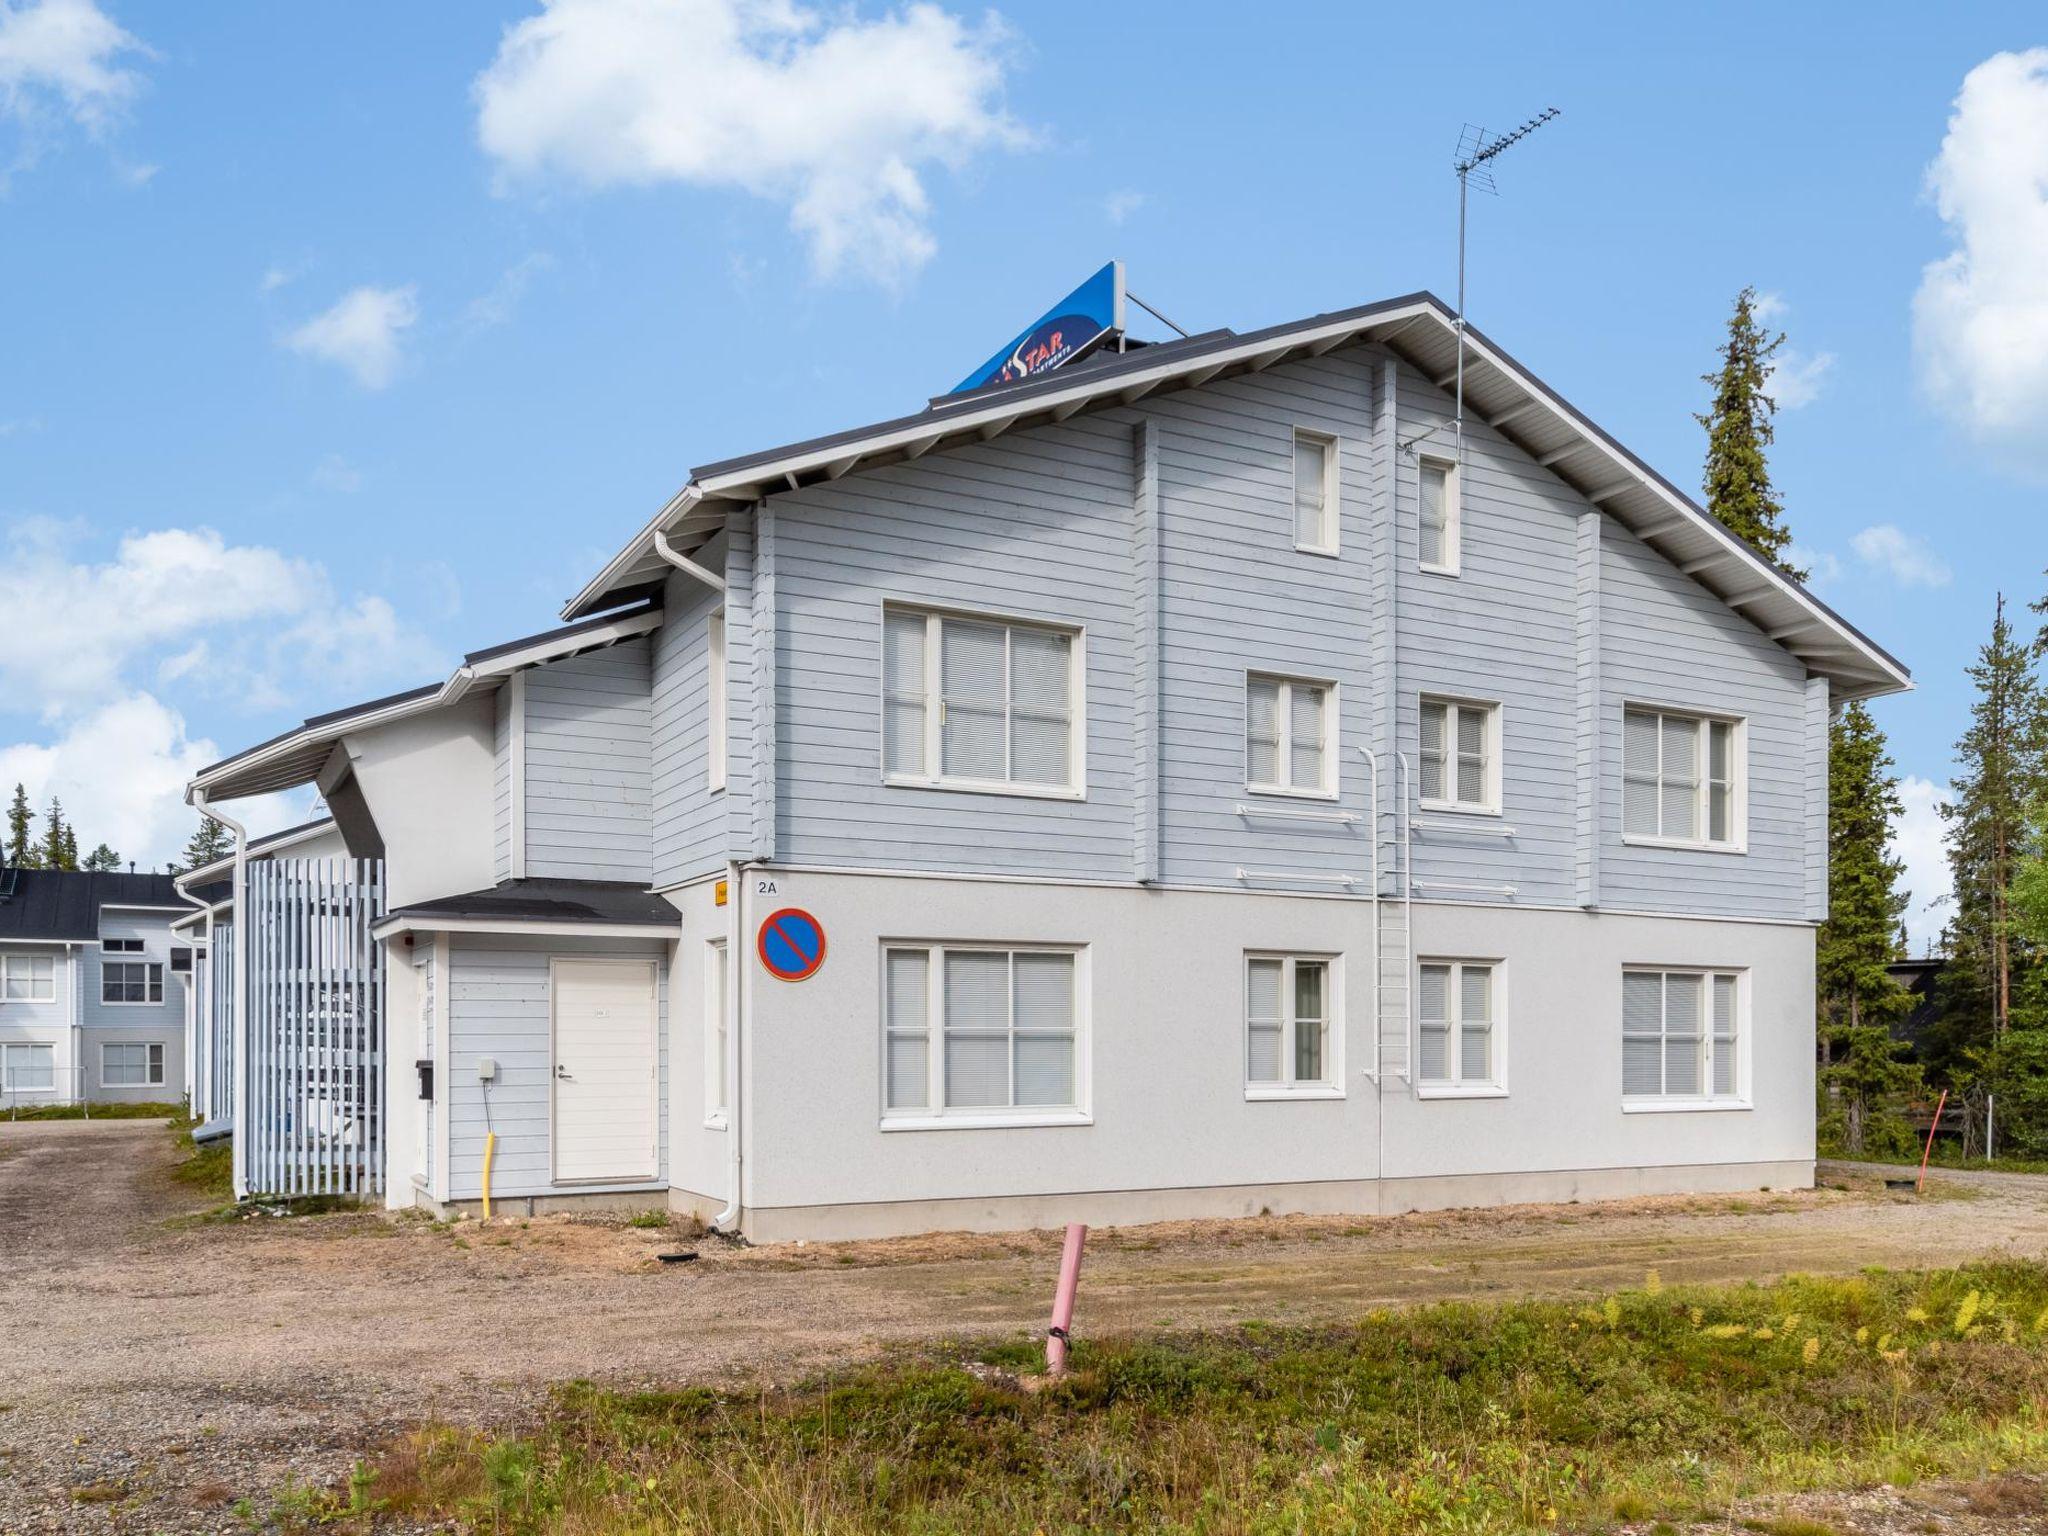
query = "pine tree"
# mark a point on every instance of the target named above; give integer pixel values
(1991, 837)
(22, 849)
(53, 836)
(102, 858)
(1739, 427)
(210, 842)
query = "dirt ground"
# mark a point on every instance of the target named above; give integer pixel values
(154, 1367)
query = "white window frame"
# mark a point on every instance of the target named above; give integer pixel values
(1331, 1084)
(1332, 522)
(9, 964)
(1455, 1086)
(1076, 787)
(1490, 710)
(717, 1018)
(1331, 787)
(153, 980)
(931, 1115)
(1738, 762)
(716, 700)
(7, 1084)
(152, 1062)
(1706, 1101)
(1454, 517)
(123, 947)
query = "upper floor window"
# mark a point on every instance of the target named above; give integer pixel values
(1288, 731)
(1289, 1005)
(1459, 1016)
(1681, 779)
(1681, 1035)
(1315, 492)
(976, 703)
(131, 981)
(28, 979)
(1437, 541)
(717, 1038)
(714, 700)
(1460, 755)
(121, 946)
(980, 1031)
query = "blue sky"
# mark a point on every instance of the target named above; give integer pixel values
(336, 341)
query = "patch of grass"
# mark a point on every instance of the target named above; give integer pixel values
(208, 1169)
(98, 1112)
(1791, 1525)
(1665, 1403)
(648, 1221)
(1949, 1157)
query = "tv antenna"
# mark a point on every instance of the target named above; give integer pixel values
(1477, 150)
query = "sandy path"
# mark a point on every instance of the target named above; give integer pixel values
(176, 1363)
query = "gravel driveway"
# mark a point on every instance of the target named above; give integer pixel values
(153, 1369)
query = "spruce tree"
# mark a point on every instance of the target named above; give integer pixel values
(22, 850)
(53, 835)
(1991, 838)
(70, 847)
(210, 841)
(1739, 427)
(102, 858)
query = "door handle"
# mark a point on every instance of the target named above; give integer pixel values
(562, 1074)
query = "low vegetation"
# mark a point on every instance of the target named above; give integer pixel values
(97, 1112)
(207, 1168)
(1651, 1405)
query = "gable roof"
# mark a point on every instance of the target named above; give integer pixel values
(1422, 330)
(60, 905)
(296, 756)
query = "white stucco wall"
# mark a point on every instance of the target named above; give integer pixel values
(428, 782)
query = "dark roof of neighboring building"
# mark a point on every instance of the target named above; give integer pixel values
(613, 903)
(61, 904)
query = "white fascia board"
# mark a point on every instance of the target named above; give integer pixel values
(391, 927)
(641, 544)
(50, 943)
(139, 906)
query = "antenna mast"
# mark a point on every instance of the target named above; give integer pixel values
(1477, 150)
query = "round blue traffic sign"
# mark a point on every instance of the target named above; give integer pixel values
(791, 944)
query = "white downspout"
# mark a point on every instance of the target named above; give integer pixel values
(735, 971)
(239, 893)
(195, 1031)
(685, 564)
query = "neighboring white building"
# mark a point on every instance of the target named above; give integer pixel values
(1200, 780)
(92, 988)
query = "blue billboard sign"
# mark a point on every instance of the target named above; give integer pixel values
(1060, 335)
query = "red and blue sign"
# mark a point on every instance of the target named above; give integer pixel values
(1066, 331)
(791, 944)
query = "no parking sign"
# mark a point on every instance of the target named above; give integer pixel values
(791, 944)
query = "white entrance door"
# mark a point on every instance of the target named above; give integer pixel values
(605, 1089)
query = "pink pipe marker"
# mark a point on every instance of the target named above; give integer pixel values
(1056, 1338)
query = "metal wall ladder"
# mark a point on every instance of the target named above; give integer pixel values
(1393, 956)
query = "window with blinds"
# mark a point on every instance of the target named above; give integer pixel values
(715, 703)
(979, 703)
(1681, 779)
(1290, 1006)
(1289, 746)
(1315, 493)
(1458, 766)
(27, 1067)
(1436, 537)
(1681, 1035)
(28, 978)
(717, 979)
(973, 1031)
(1458, 1021)
(126, 1064)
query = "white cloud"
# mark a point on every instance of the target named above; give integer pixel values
(1119, 206)
(120, 771)
(839, 117)
(1917, 841)
(1795, 378)
(75, 628)
(1768, 307)
(1980, 318)
(496, 307)
(1823, 567)
(66, 55)
(1908, 559)
(360, 334)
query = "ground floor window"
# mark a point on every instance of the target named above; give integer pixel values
(28, 978)
(977, 1029)
(1681, 1035)
(131, 1064)
(1289, 1002)
(131, 981)
(1458, 1008)
(716, 1094)
(28, 1068)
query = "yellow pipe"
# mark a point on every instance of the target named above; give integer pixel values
(490, 1146)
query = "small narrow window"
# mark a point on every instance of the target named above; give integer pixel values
(1289, 1003)
(979, 703)
(1459, 1018)
(717, 1094)
(1315, 493)
(1681, 780)
(1460, 758)
(1288, 745)
(120, 946)
(1681, 1036)
(1437, 531)
(715, 700)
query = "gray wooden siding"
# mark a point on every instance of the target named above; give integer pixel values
(154, 931)
(498, 1007)
(588, 809)
(501, 786)
(689, 817)
(1667, 640)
